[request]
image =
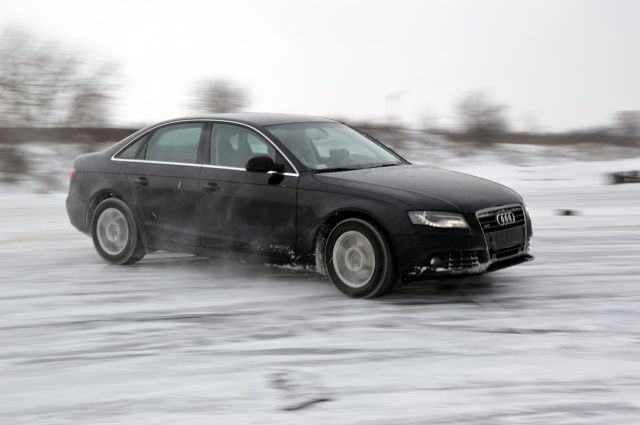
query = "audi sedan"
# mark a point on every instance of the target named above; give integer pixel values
(294, 189)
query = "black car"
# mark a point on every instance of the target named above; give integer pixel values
(297, 189)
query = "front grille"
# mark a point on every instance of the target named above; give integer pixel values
(462, 260)
(499, 254)
(489, 219)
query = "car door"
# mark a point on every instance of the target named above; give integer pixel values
(244, 210)
(163, 181)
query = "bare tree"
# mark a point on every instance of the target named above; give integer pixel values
(43, 84)
(478, 115)
(89, 104)
(628, 123)
(214, 96)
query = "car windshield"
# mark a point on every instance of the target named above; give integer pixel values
(332, 146)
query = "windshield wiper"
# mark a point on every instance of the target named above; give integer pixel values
(336, 169)
(387, 164)
(360, 167)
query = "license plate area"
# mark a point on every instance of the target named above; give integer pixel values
(507, 238)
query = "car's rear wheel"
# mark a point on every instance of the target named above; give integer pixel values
(115, 233)
(359, 260)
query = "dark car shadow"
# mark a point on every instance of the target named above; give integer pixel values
(465, 290)
(459, 290)
(231, 265)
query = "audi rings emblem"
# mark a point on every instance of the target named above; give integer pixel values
(505, 218)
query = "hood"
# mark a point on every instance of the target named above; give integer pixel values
(426, 187)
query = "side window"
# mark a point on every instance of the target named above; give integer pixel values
(259, 147)
(233, 145)
(131, 151)
(175, 143)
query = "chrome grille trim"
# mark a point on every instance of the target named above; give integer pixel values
(509, 252)
(488, 222)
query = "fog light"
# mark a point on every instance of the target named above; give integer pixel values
(435, 262)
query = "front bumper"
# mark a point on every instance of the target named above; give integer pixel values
(433, 253)
(474, 266)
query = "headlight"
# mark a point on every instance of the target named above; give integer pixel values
(438, 219)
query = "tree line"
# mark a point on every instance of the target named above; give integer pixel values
(480, 117)
(45, 84)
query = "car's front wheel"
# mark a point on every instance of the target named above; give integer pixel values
(115, 233)
(359, 260)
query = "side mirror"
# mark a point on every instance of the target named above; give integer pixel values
(263, 164)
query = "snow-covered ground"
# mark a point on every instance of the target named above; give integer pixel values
(177, 339)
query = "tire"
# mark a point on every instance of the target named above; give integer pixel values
(115, 233)
(358, 259)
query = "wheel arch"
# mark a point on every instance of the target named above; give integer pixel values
(96, 199)
(331, 220)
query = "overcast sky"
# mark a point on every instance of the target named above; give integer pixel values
(556, 64)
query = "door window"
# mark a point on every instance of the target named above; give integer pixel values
(175, 143)
(233, 146)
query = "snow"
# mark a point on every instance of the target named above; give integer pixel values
(183, 339)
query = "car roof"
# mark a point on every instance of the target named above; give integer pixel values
(259, 118)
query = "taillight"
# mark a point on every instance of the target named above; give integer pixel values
(72, 176)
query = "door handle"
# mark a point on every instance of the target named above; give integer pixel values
(211, 186)
(142, 181)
